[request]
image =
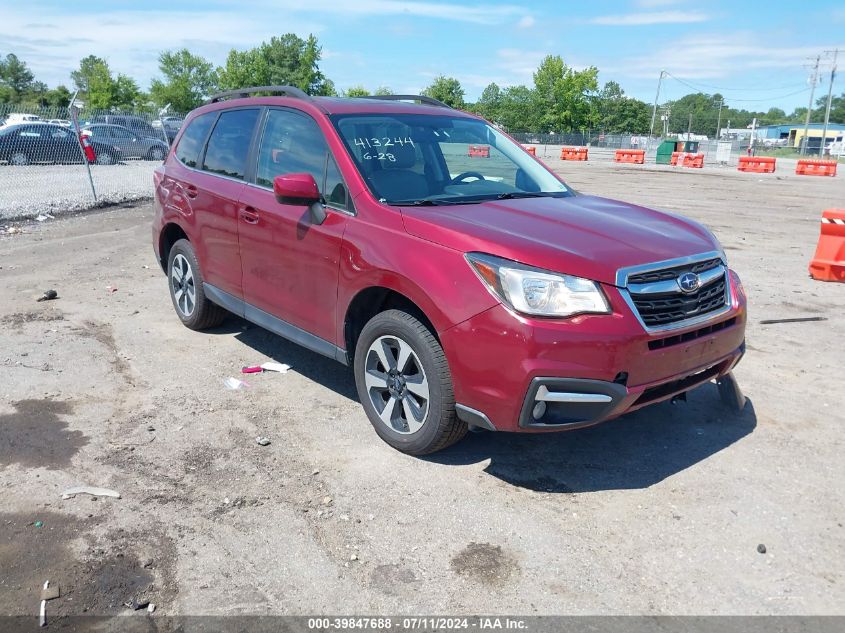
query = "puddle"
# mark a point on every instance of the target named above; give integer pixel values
(36, 436)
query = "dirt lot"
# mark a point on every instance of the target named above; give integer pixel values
(657, 512)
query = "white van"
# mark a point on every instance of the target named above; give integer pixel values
(836, 147)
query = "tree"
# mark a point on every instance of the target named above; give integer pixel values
(446, 89)
(518, 110)
(126, 93)
(382, 91)
(563, 95)
(15, 77)
(490, 102)
(58, 97)
(286, 60)
(356, 91)
(618, 113)
(188, 80)
(88, 67)
(100, 94)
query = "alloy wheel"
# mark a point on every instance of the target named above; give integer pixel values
(396, 384)
(182, 285)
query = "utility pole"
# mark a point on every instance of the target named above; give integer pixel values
(656, 97)
(810, 107)
(829, 97)
(719, 120)
(689, 127)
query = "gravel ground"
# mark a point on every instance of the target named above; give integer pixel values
(659, 512)
(26, 192)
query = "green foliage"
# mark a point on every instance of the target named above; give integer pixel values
(620, 114)
(563, 95)
(15, 75)
(283, 61)
(356, 91)
(381, 91)
(187, 81)
(446, 89)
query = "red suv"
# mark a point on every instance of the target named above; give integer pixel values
(464, 282)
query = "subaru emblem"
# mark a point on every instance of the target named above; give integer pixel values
(689, 282)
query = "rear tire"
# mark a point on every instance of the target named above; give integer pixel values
(155, 153)
(106, 158)
(405, 386)
(19, 158)
(186, 289)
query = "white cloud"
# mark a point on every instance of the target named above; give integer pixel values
(526, 22)
(651, 17)
(711, 56)
(475, 13)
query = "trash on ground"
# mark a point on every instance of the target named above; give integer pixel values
(111, 288)
(257, 369)
(151, 608)
(794, 320)
(13, 229)
(263, 441)
(234, 383)
(761, 548)
(89, 490)
(48, 295)
(43, 216)
(135, 605)
(38, 524)
(47, 593)
(279, 367)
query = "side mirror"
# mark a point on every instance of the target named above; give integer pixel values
(300, 189)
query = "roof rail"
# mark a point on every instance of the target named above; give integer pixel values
(421, 98)
(288, 91)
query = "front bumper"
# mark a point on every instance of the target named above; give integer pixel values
(500, 361)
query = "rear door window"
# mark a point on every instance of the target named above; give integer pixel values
(192, 140)
(228, 146)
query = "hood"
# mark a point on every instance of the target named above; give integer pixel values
(581, 235)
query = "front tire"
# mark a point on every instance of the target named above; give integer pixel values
(19, 158)
(156, 153)
(186, 289)
(106, 158)
(405, 386)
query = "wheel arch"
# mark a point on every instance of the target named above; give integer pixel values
(372, 300)
(167, 237)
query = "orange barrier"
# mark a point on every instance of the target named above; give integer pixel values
(756, 164)
(816, 168)
(531, 150)
(478, 151)
(829, 261)
(687, 160)
(636, 156)
(694, 160)
(573, 153)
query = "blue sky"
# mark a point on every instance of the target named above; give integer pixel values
(754, 52)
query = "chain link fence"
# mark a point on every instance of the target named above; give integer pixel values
(45, 170)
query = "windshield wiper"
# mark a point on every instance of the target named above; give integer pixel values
(431, 202)
(510, 195)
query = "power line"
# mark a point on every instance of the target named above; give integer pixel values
(770, 98)
(696, 84)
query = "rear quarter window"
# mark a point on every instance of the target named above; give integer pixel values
(192, 140)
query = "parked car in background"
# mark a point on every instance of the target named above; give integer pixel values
(14, 118)
(135, 123)
(62, 122)
(170, 125)
(28, 143)
(131, 145)
(463, 293)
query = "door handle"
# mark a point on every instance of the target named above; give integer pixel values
(249, 215)
(191, 191)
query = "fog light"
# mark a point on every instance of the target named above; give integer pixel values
(539, 410)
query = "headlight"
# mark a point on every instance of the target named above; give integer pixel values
(537, 292)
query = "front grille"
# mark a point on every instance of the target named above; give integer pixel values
(658, 309)
(674, 272)
(686, 337)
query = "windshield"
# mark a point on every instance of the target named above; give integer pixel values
(424, 159)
